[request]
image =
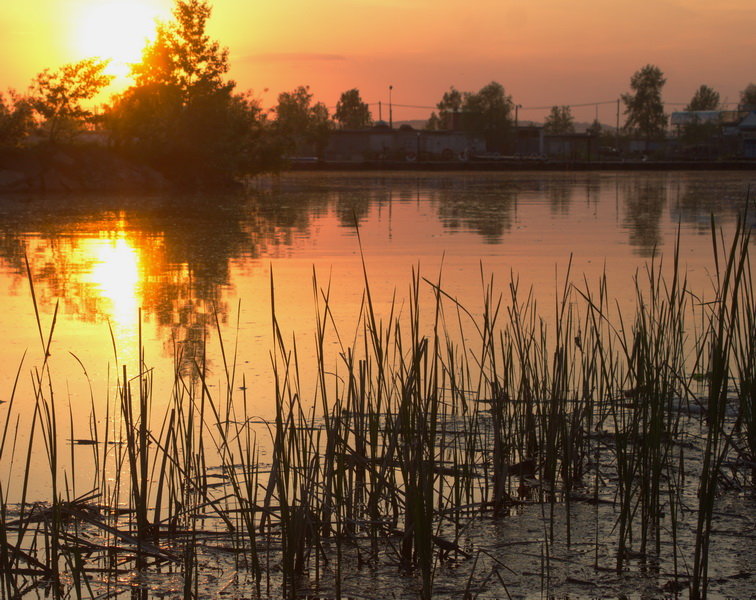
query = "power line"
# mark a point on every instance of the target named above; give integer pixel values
(549, 107)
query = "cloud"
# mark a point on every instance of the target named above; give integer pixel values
(277, 57)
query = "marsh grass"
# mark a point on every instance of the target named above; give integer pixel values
(422, 422)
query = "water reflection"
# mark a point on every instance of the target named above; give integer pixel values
(695, 204)
(114, 276)
(644, 205)
(474, 205)
(175, 257)
(105, 259)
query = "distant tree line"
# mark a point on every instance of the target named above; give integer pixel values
(184, 116)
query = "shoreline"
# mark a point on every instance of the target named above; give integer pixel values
(524, 165)
(87, 170)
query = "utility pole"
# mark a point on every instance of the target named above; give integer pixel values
(391, 109)
(618, 115)
(517, 128)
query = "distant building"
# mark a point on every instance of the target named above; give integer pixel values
(747, 131)
(529, 141)
(571, 146)
(733, 132)
(383, 143)
(690, 117)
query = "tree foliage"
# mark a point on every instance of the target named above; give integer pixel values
(351, 111)
(450, 104)
(487, 112)
(183, 56)
(595, 129)
(58, 96)
(182, 115)
(16, 119)
(748, 97)
(644, 107)
(705, 98)
(696, 132)
(301, 123)
(559, 120)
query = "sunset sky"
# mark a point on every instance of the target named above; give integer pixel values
(544, 52)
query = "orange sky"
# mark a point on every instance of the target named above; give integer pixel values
(544, 52)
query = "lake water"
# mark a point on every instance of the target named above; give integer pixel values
(181, 273)
(183, 260)
(187, 261)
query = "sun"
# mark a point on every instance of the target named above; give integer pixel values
(116, 30)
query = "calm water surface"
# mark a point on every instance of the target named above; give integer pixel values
(185, 262)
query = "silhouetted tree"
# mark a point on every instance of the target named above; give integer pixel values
(16, 118)
(696, 132)
(57, 96)
(644, 107)
(595, 128)
(351, 111)
(748, 97)
(183, 115)
(433, 123)
(183, 56)
(705, 98)
(559, 120)
(489, 113)
(300, 122)
(450, 103)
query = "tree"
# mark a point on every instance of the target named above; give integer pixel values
(487, 112)
(644, 108)
(183, 55)
(16, 119)
(433, 123)
(696, 132)
(182, 115)
(559, 120)
(595, 129)
(57, 96)
(748, 97)
(351, 111)
(450, 104)
(705, 98)
(299, 122)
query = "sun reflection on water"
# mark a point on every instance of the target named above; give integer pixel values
(115, 276)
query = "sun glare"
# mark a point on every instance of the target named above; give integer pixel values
(116, 30)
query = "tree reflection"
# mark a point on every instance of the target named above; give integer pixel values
(644, 204)
(697, 200)
(104, 259)
(469, 205)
